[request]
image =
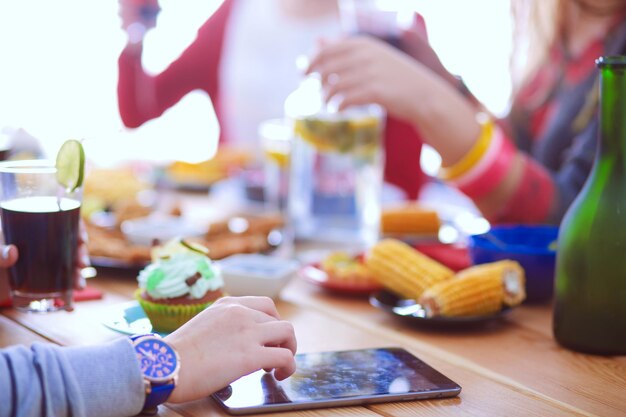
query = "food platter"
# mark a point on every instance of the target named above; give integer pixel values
(314, 274)
(415, 313)
(110, 248)
(201, 176)
(116, 263)
(166, 181)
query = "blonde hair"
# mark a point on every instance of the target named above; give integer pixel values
(538, 24)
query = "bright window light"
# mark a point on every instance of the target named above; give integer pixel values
(58, 76)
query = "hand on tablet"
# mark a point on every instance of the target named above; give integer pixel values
(234, 337)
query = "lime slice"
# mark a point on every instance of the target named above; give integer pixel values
(176, 246)
(70, 165)
(195, 247)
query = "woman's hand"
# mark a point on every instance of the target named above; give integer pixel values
(234, 337)
(414, 42)
(138, 16)
(8, 256)
(364, 70)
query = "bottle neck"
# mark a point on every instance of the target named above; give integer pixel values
(612, 141)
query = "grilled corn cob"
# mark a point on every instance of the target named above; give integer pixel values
(478, 290)
(403, 269)
(409, 219)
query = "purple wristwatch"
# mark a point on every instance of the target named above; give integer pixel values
(159, 364)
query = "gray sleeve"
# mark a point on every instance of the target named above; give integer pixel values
(575, 169)
(48, 380)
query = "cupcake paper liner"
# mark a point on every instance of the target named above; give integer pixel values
(167, 318)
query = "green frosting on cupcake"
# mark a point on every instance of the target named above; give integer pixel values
(154, 279)
(183, 274)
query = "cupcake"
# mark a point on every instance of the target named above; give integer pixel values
(180, 282)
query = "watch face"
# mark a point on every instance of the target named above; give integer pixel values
(157, 359)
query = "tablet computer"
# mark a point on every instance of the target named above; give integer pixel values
(331, 379)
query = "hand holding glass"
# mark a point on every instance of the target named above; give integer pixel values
(384, 19)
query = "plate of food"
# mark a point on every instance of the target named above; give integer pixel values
(200, 176)
(417, 313)
(341, 272)
(426, 291)
(411, 223)
(112, 247)
(116, 263)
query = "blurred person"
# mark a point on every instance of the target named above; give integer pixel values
(234, 337)
(244, 58)
(529, 166)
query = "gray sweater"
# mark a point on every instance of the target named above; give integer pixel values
(48, 380)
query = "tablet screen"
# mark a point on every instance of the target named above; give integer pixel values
(339, 378)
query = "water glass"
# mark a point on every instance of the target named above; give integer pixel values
(384, 19)
(336, 176)
(276, 137)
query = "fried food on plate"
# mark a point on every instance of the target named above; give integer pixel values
(225, 161)
(409, 219)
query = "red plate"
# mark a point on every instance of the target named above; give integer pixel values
(454, 257)
(315, 275)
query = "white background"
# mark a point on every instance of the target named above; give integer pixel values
(58, 71)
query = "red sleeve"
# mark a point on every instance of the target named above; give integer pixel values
(143, 96)
(532, 200)
(403, 147)
(403, 144)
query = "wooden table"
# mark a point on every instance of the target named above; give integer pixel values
(510, 368)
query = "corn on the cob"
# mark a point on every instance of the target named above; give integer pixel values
(409, 219)
(478, 290)
(403, 269)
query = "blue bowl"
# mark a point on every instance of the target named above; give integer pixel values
(533, 246)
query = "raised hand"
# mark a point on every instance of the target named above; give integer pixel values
(138, 16)
(363, 69)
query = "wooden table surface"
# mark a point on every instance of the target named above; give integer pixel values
(512, 367)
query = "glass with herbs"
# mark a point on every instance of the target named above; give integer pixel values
(336, 169)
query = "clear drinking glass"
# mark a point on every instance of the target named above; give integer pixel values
(276, 137)
(41, 218)
(5, 145)
(384, 19)
(336, 169)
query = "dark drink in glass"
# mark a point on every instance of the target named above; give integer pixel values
(394, 40)
(384, 20)
(45, 231)
(41, 219)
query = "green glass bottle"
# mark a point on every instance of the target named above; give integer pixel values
(590, 305)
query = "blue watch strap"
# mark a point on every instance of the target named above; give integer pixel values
(137, 336)
(158, 395)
